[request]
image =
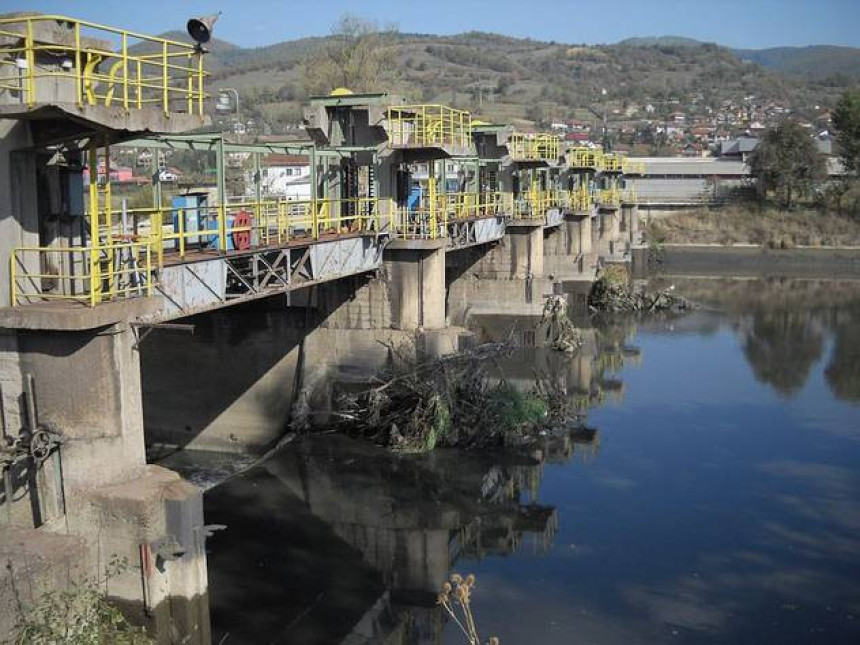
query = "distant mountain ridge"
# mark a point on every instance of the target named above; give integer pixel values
(525, 81)
(816, 61)
(819, 62)
(653, 41)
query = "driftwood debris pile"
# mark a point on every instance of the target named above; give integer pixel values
(613, 293)
(450, 401)
(561, 334)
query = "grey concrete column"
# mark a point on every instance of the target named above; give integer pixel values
(634, 224)
(609, 235)
(585, 234)
(526, 244)
(630, 222)
(416, 269)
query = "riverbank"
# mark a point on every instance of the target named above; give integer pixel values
(741, 260)
(733, 225)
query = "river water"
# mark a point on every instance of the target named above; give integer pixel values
(715, 500)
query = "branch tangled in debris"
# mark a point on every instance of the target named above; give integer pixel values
(561, 334)
(450, 401)
(612, 293)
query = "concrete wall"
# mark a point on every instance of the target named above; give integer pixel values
(35, 562)
(564, 255)
(229, 385)
(88, 388)
(518, 255)
(155, 523)
(609, 238)
(526, 251)
(87, 385)
(18, 203)
(232, 385)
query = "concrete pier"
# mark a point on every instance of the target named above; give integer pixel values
(417, 273)
(526, 242)
(630, 223)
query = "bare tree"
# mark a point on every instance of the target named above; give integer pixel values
(359, 56)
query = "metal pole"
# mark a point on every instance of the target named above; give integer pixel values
(222, 194)
(313, 181)
(237, 113)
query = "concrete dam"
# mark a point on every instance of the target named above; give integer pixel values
(203, 320)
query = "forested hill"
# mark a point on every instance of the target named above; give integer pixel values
(518, 80)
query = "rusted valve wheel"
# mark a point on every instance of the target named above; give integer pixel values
(40, 445)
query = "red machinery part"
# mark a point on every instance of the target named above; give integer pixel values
(242, 238)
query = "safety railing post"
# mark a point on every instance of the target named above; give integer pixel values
(180, 215)
(13, 281)
(79, 89)
(94, 220)
(164, 79)
(125, 71)
(30, 58)
(149, 275)
(139, 84)
(189, 84)
(281, 221)
(315, 220)
(200, 95)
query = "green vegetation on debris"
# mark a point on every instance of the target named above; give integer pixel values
(614, 292)
(417, 406)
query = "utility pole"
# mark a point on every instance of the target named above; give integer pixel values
(224, 93)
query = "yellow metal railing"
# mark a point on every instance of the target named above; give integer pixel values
(584, 157)
(133, 245)
(580, 199)
(630, 167)
(89, 275)
(265, 223)
(535, 204)
(429, 125)
(429, 220)
(609, 197)
(612, 163)
(42, 53)
(534, 147)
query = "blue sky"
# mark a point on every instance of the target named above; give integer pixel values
(734, 23)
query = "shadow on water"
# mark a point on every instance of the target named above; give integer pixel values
(332, 540)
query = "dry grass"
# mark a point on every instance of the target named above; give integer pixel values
(775, 229)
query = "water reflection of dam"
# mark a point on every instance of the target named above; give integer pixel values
(589, 376)
(349, 540)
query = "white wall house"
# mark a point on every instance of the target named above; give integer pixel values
(286, 176)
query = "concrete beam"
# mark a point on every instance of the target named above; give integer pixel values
(73, 316)
(98, 118)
